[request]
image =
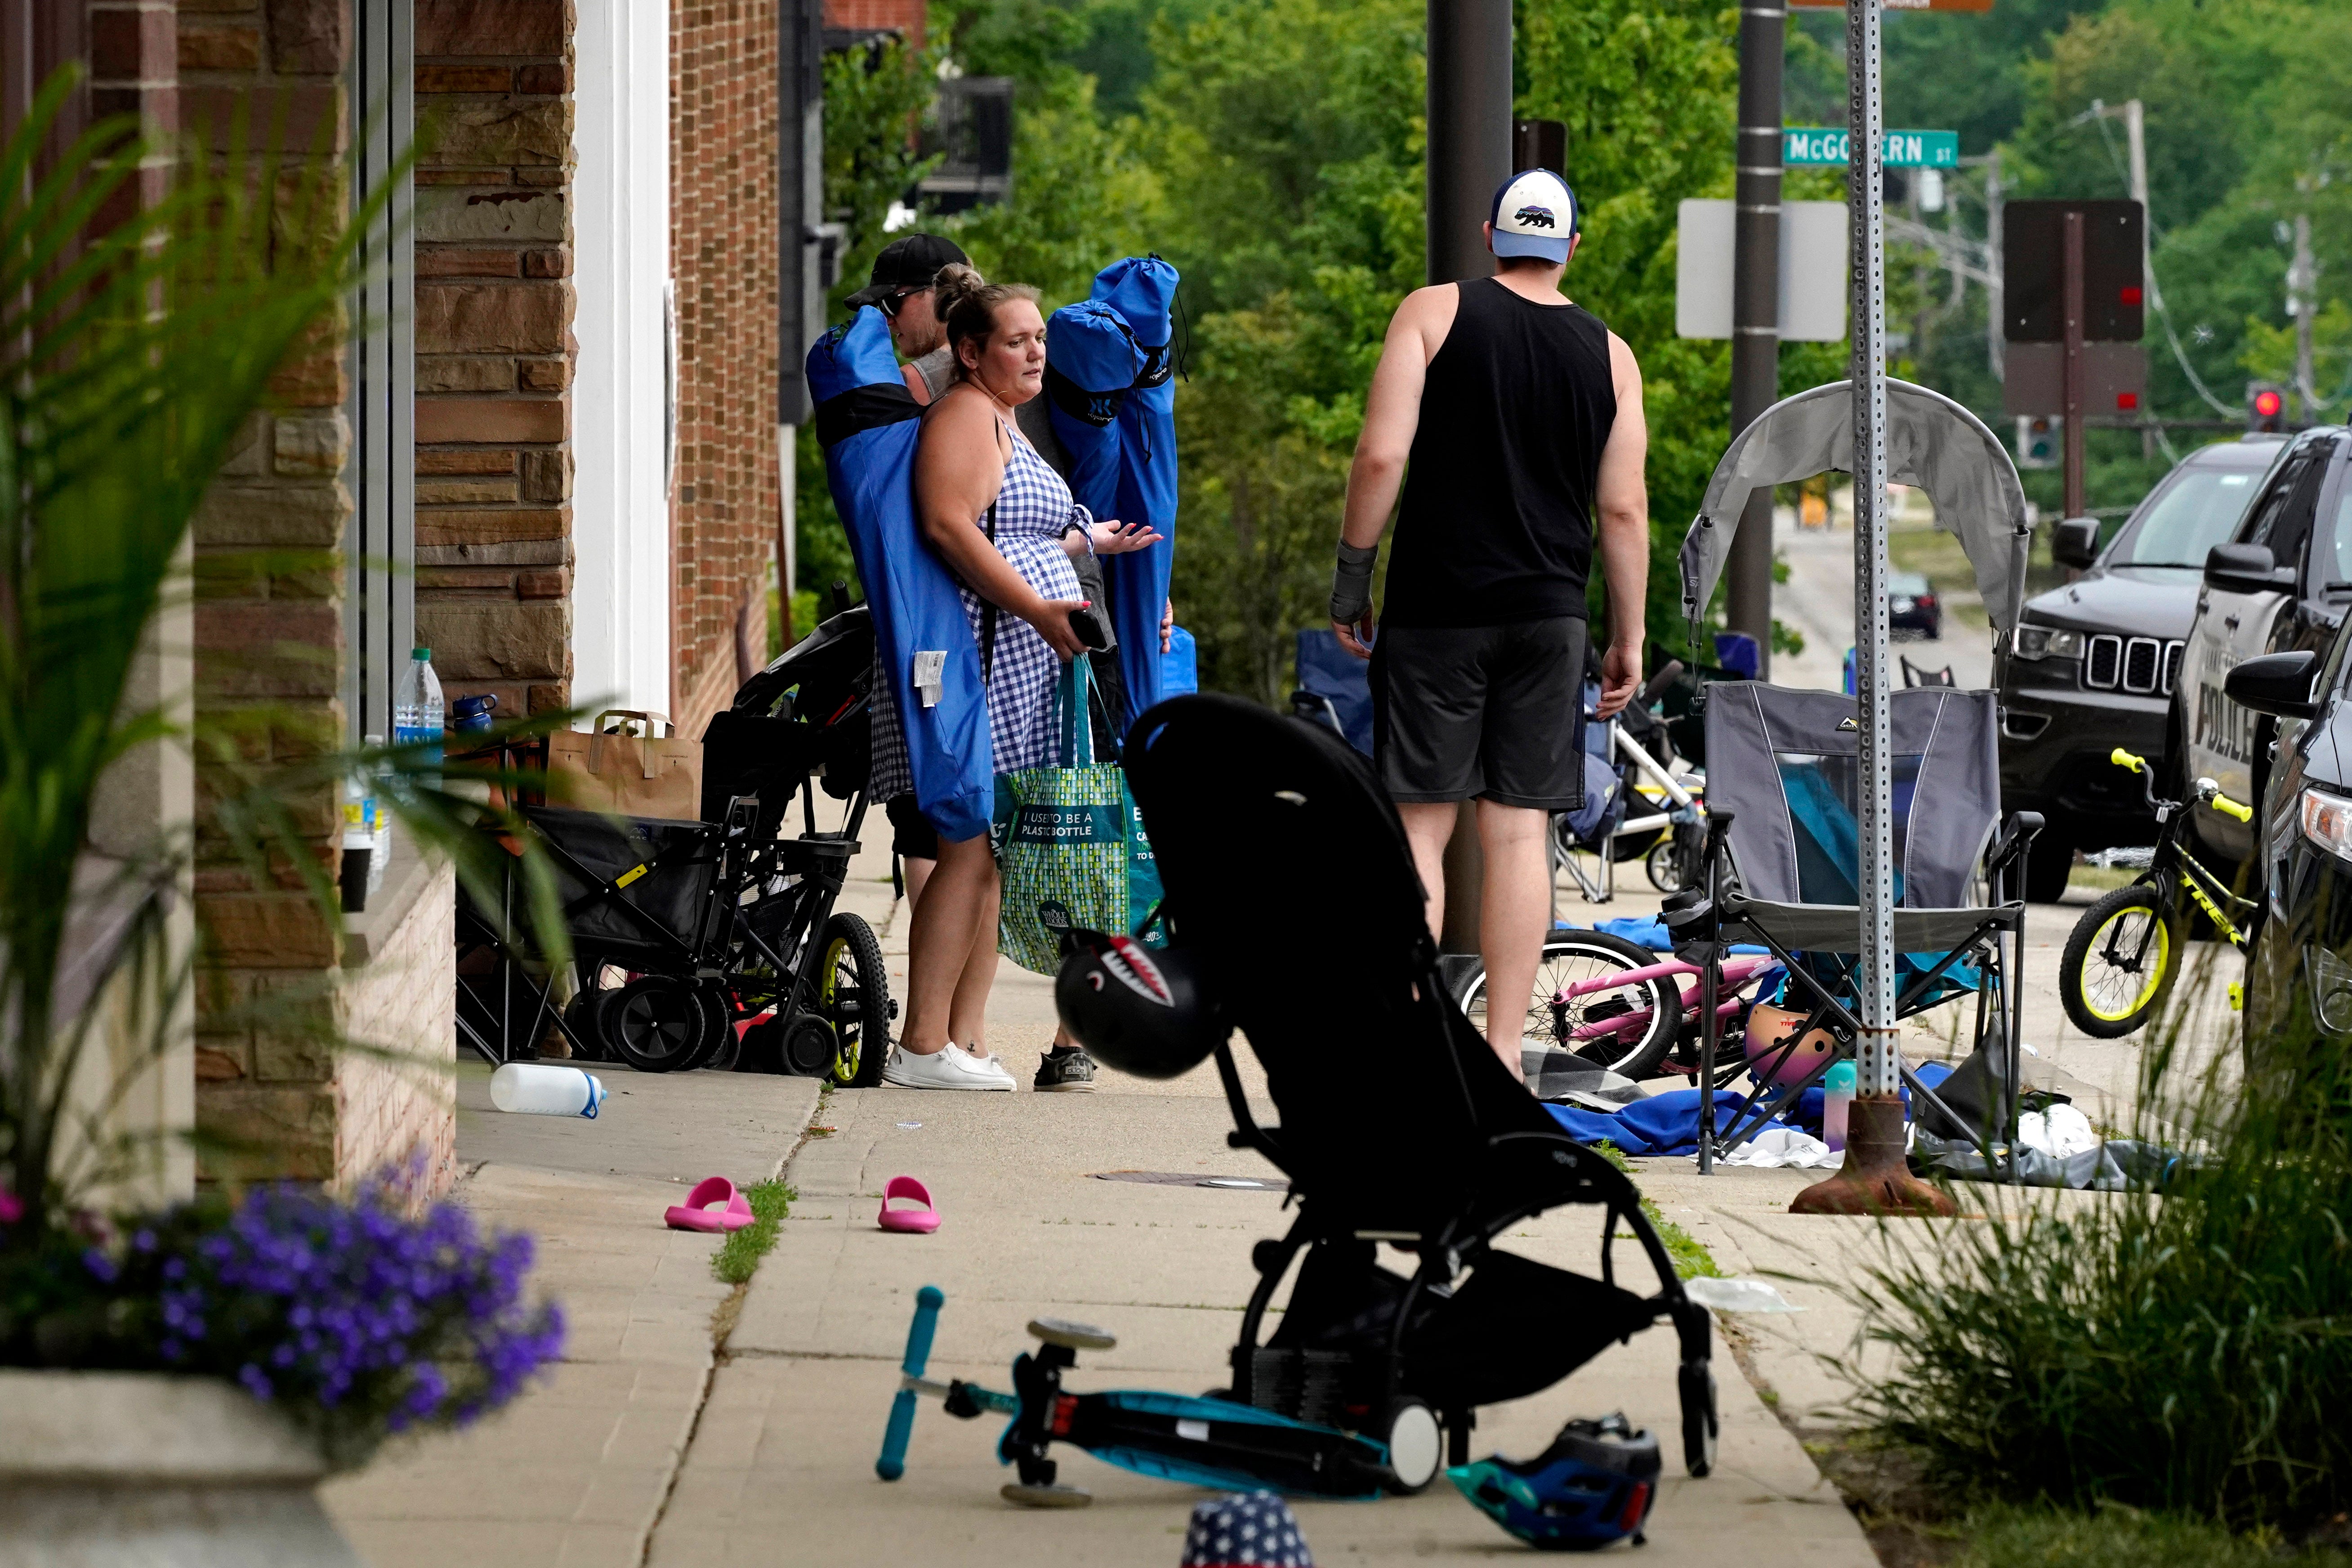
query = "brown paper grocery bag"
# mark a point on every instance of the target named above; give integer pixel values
(632, 774)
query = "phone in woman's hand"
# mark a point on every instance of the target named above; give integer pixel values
(1093, 629)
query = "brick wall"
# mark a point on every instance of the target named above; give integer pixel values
(494, 348)
(904, 17)
(724, 257)
(275, 986)
(260, 634)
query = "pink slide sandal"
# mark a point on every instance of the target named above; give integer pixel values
(713, 1205)
(913, 1222)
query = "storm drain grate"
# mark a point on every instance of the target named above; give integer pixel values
(1195, 1178)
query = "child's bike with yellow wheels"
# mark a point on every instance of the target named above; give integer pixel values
(2125, 952)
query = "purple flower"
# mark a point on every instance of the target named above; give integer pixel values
(255, 1379)
(101, 1266)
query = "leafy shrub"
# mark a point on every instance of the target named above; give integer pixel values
(2186, 1350)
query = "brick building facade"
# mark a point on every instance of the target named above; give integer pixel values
(723, 260)
(494, 347)
(496, 375)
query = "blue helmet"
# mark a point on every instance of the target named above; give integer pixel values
(1593, 1486)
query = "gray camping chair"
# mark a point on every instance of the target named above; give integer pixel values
(1782, 861)
(1780, 870)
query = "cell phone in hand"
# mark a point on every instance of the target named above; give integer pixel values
(1089, 626)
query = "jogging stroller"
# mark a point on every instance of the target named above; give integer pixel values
(716, 943)
(1264, 824)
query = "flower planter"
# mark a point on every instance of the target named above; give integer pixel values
(99, 1468)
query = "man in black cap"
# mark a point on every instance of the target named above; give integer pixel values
(901, 289)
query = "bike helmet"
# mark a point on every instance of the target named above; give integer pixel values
(1141, 1011)
(1593, 1486)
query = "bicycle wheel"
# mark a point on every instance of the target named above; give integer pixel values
(853, 992)
(1647, 1013)
(2120, 962)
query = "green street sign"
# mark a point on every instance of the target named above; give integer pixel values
(1814, 145)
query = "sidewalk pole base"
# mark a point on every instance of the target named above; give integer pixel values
(1875, 1179)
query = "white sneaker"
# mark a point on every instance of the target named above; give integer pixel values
(950, 1067)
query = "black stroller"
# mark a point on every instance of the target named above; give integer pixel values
(715, 942)
(1287, 874)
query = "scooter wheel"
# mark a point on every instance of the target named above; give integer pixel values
(1416, 1446)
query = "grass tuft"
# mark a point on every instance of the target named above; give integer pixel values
(1691, 1259)
(2008, 1537)
(739, 1256)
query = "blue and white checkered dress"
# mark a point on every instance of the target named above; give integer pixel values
(1032, 509)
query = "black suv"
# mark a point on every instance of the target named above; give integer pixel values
(2092, 665)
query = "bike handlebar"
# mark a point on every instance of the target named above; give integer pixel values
(2206, 790)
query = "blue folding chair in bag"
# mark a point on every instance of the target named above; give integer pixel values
(1334, 688)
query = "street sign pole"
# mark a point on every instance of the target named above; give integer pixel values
(1755, 307)
(1875, 1178)
(2072, 392)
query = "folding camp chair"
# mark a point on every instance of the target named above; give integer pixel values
(1913, 674)
(1781, 867)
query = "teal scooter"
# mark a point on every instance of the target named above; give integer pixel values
(1171, 1436)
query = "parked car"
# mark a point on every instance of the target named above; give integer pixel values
(2299, 973)
(2281, 583)
(2092, 665)
(1912, 606)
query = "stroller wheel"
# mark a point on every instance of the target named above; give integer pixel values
(853, 992)
(1695, 1381)
(1416, 1447)
(657, 1023)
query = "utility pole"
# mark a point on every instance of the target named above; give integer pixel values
(1995, 347)
(1470, 136)
(1756, 306)
(1469, 130)
(2070, 392)
(2303, 301)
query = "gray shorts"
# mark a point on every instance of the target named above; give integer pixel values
(1481, 712)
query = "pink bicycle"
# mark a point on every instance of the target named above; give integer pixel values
(1620, 1006)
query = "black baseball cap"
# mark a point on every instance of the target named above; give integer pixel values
(911, 262)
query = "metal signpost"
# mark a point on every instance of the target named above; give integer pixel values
(1875, 1177)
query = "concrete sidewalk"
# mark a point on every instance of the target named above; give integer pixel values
(575, 1472)
(660, 1442)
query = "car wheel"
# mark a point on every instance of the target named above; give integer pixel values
(2049, 863)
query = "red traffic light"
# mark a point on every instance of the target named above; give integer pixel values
(2268, 404)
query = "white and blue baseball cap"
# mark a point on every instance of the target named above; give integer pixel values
(1534, 214)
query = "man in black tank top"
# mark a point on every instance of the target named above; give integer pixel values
(1513, 420)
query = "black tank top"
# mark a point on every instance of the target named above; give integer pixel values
(1497, 520)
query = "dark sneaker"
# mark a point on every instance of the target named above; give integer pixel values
(1068, 1071)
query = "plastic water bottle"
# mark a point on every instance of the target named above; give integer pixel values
(416, 708)
(533, 1089)
(1837, 1098)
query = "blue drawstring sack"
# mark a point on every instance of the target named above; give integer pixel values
(866, 421)
(1142, 289)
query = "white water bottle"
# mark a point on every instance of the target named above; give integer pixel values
(417, 711)
(534, 1089)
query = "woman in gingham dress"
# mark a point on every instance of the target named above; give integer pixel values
(972, 466)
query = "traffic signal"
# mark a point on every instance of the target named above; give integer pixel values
(2265, 405)
(2038, 436)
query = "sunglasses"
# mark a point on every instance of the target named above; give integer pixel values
(888, 304)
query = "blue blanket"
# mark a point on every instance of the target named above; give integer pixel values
(1668, 1124)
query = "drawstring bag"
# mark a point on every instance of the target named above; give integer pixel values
(1070, 846)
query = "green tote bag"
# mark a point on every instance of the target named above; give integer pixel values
(1070, 846)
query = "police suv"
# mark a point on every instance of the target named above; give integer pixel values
(2282, 582)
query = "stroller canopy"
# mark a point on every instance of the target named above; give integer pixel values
(1932, 443)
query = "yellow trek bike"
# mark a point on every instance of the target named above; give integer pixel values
(2125, 952)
